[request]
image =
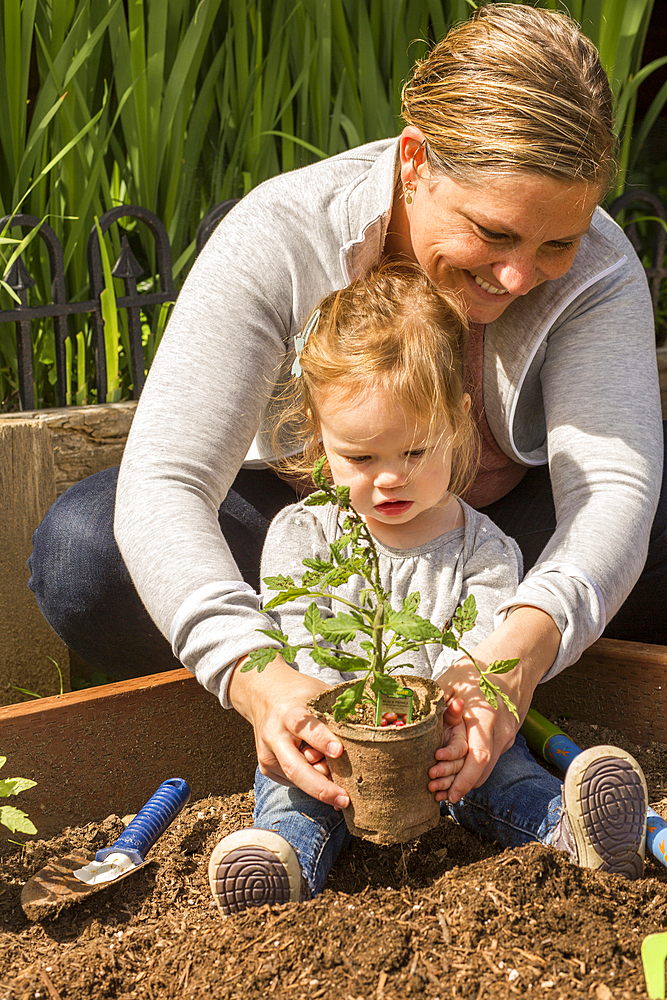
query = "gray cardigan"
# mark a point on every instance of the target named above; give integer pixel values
(569, 378)
(476, 559)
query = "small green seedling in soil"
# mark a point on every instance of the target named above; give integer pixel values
(389, 634)
(33, 694)
(11, 817)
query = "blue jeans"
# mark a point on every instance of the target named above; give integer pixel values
(519, 803)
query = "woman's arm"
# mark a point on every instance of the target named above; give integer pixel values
(528, 633)
(274, 702)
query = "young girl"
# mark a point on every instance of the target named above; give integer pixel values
(379, 389)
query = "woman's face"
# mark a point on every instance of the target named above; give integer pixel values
(492, 241)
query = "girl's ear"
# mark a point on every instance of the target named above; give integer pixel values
(413, 154)
(467, 402)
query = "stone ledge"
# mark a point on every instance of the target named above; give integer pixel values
(84, 439)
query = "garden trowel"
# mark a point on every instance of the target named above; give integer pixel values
(76, 876)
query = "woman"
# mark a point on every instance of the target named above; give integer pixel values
(492, 189)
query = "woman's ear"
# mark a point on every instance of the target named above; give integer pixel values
(413, 154)
(467, 402)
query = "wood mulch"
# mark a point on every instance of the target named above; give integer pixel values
(447, 916)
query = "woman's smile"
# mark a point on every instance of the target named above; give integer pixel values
(486, 287)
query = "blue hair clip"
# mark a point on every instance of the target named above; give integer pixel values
(301, 341)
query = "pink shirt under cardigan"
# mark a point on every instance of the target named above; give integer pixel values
(497, 473)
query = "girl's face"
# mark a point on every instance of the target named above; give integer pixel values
(490, 242)
(398, 469)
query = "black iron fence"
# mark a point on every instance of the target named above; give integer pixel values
(648, 236)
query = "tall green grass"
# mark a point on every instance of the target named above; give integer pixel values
(176, 105)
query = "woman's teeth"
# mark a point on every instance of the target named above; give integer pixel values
(486, 287)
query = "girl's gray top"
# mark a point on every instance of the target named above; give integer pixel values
(570, 377)
(476, 559)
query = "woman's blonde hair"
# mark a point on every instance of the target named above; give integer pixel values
(515, 88)
(391, 330)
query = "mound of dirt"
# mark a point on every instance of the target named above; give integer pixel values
(449, 915)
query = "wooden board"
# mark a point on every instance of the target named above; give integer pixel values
(107, 749)
(622, 685)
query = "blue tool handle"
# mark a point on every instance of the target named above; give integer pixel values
(656, 835)
(150, 822)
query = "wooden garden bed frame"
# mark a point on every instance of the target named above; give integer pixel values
(105, 750)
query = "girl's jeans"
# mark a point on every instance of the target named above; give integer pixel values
(519, 803)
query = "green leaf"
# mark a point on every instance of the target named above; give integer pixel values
(279, 582)
(318, 499)
(285, 597)
(343, 497)
(465, 615)
(410, 625)
(501, 666)
(412, 601)
(338, 660)
(12, 786)
(339, 545)
(318, 564)
(449, 639)
(343, 628)
(260, 658)
(15, 820)
(510, 704)
(384, 684)
(312, 619)
(318, 476)
(489, 692)
(274, 633)
(346, 702)
(3, 761)
(341, 574)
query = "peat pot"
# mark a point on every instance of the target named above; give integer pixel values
(385, 771)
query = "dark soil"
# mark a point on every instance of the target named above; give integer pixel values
(447, 916)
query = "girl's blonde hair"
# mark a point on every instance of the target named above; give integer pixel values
(392, 330)
(515, 88)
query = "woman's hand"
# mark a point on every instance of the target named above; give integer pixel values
(531, 635)
(291, 743)
(451, 755)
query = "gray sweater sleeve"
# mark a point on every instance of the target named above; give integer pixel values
(598, 384)
(197, 416)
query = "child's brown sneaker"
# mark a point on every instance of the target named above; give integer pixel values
(252, 867)
(604, 812)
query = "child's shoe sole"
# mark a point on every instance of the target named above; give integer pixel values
(605, 800)
(253, 867)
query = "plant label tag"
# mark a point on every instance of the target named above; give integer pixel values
(394, 710)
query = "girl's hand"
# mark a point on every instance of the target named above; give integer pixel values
(528, 633)
(291, 743)
(451, 755)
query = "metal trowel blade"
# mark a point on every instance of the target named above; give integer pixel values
(56, 886)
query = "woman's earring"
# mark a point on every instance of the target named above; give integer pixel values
(408, 195)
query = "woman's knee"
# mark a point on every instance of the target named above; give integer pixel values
(74, 545)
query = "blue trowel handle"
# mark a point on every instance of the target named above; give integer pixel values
(150, 822)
